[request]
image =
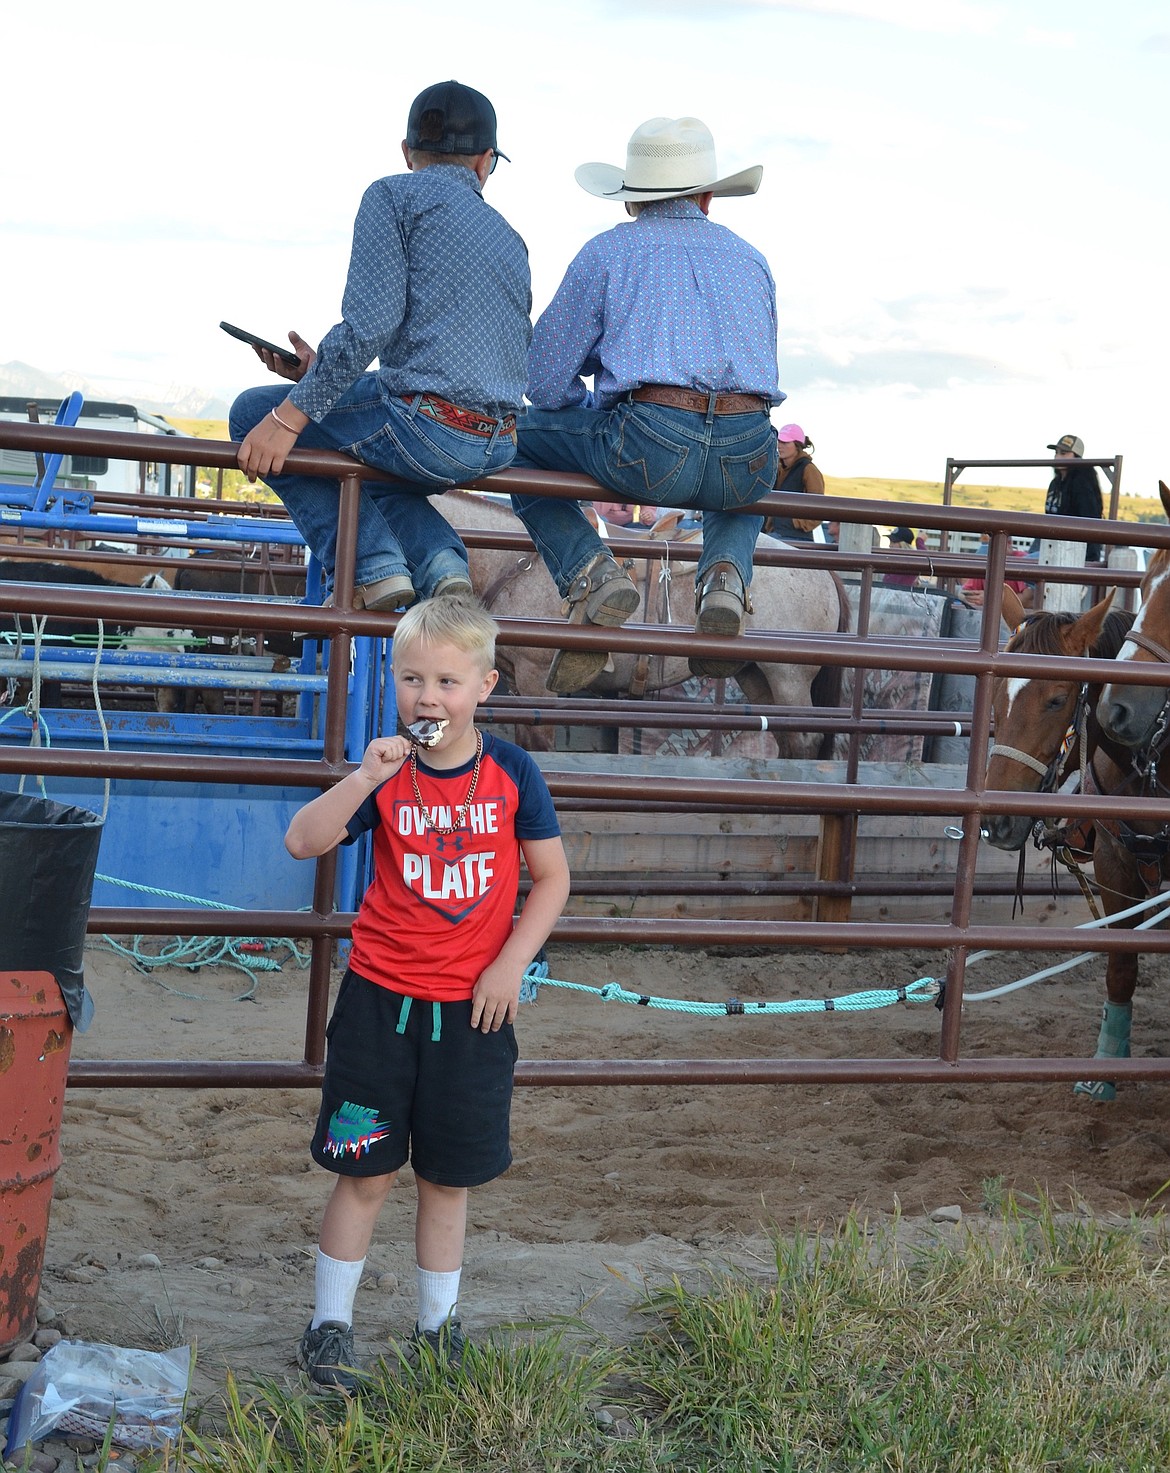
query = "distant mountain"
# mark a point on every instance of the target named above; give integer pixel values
(184, 400)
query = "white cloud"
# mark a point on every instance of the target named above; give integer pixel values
(967, 242)
(947, 17)
(1049, 39)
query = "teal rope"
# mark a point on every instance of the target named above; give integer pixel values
(925, 989)
(167, 894)
(194, 952)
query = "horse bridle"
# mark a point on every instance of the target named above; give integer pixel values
(1050, 774)
(1147, 757)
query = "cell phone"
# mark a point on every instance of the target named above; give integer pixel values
(250, 337)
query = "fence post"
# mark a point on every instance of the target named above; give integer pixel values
(1126, 559)
(837, 836)
(1062, 598)
(855, 538)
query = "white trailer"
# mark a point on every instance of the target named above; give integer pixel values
(96, 472)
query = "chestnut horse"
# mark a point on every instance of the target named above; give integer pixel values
(1046, 735)
(517, 585)
(1135, 719)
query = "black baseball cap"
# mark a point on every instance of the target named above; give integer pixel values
(451, 118)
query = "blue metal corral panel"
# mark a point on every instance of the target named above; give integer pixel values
(221, 842)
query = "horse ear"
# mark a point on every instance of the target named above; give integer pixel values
(1013, 610)
(1085, 633)
(1164, 493)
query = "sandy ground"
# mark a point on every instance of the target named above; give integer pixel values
(612, 1189)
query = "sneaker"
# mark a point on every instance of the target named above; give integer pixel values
(602, 593)
(326, 1355)
(721, 607)
(454, 585)
(446, 1344)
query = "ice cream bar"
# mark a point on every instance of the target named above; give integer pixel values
(426, 733)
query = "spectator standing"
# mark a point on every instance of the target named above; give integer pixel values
(1074, 491)
(796, 473)
(900, 537)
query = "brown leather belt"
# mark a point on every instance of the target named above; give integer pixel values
(675, 397)
(470, 420)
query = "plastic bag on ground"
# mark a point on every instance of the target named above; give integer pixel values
(80, 1385)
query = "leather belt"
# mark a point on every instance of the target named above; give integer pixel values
(470, 420)
(675, 397)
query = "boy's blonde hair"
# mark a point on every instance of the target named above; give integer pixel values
(463, 622)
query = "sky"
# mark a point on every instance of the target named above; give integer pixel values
(964, 204)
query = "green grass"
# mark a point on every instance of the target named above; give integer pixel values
(1008, 498)
(1003, 498)
(234, 486)
(1040, 1342)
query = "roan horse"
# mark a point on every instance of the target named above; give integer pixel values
(1046, 735)
(517, 585)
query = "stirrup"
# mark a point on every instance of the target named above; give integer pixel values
(602, 593)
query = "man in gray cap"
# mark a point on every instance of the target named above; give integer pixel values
(1075, 490)
(439, 292)
(674, 318)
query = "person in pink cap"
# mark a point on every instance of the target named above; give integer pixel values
(796, 473)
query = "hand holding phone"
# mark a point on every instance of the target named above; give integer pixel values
(285, 354)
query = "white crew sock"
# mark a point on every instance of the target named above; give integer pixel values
(335, 1285)
(438, 1295)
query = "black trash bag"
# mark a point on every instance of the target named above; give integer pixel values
(48, 855)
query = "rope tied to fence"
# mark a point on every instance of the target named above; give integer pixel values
(925, 989)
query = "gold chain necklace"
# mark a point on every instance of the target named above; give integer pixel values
(461, 815)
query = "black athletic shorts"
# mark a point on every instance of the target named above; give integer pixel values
(407, 1079)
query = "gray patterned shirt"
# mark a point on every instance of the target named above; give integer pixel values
(438, 291)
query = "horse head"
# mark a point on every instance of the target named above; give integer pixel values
(1133, 714)
(1035, 720)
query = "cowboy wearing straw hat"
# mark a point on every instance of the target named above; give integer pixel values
(674, 317)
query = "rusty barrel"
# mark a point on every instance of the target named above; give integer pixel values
(48, 856)
(35, 1033)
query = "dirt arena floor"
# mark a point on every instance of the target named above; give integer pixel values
(196, 1213)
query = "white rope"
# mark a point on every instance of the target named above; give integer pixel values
(1075, 961)
(97, 705)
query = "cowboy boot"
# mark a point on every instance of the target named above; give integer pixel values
(721, 606)
(602, 593)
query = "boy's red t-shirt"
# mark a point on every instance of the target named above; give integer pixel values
(441, 906)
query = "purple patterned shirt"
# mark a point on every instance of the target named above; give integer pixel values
(667, 298)
(438, 291)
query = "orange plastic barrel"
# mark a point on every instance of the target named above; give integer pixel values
(35, 1034)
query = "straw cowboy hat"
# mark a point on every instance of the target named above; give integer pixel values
(666, 158)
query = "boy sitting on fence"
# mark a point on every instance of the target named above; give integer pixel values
(421, 1047)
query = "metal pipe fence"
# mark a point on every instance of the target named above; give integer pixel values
(983, 660)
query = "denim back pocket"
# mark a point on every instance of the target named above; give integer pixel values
(647, 466)
(747, 477)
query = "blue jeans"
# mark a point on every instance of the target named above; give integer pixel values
(399, 531)
(651, 455)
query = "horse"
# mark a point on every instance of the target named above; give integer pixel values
(1134, 859)
(66, 627)
(517, 585)
(1048, 733)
